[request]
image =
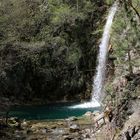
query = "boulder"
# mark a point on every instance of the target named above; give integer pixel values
(14, 122)
(88, 114)
(24, 124)
(127, 136)
(74, 128)
(136, 137)
(137, 129)
(44, 131)
(132, 132)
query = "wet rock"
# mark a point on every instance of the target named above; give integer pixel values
(74, 128)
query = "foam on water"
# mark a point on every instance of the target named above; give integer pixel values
(92, 104)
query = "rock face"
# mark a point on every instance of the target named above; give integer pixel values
(133, 133)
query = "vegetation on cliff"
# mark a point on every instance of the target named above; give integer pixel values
(123, 86)
(48, 51)
(49, 48)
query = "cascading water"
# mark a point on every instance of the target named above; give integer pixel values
(98, 84)
(99, 79)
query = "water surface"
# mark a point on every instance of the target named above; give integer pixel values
(51, 111)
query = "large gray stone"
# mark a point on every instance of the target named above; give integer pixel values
(136, 137)
(74, 128)
(132, 132)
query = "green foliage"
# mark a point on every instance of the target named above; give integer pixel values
(126, 37)
(57, 45)
(125, 33)
(31, 21)
(109, 2)
(74, 55)
(136, 4)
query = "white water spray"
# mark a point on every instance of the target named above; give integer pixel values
(98, 84)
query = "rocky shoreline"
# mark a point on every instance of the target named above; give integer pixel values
(66, 129)
(73, 128)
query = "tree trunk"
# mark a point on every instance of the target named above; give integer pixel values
(129, 61)
(131, 4)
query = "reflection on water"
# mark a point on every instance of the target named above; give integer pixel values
(51, 111)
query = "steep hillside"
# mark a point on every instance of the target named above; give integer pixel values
(48, 48)
(123, 84)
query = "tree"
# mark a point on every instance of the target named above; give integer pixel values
(49, 41)
(132, 6)
(125, 38)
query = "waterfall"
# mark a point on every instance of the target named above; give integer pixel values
(98, 84)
